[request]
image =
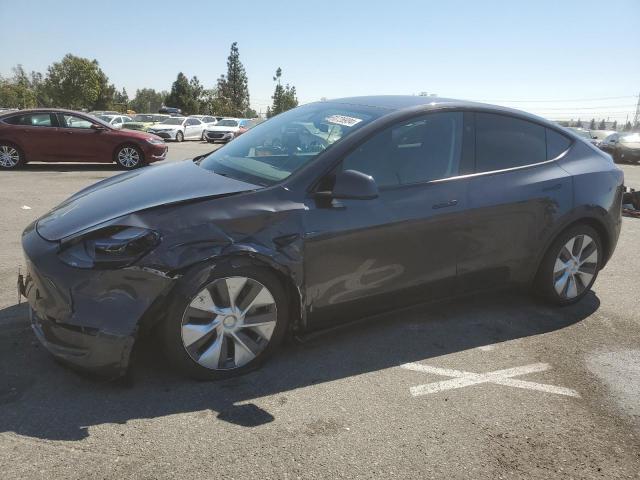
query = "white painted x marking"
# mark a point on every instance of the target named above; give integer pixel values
(498, 377)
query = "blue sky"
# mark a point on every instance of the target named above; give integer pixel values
(541, 56)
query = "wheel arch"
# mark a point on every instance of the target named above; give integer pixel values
(238, 259)
(15, 145)
(592, 221)
(127, 143)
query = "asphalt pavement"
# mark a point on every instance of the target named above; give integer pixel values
(491, 386)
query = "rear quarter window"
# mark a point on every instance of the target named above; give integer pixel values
(557, 144)
(505, 142)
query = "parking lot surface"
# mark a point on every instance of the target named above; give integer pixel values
(492, 386)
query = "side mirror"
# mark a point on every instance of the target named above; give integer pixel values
(351, 184)
(97, 128)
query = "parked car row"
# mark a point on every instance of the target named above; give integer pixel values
(622, 146)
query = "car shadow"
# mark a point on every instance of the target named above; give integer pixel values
(71, 167)
(41, 399)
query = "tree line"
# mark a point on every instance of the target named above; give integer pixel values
(80, 84)
(599, 125)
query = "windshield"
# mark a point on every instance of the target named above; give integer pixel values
(273, 150)
(227, 123)
(143, 118)
(173, 121)
(106, 118)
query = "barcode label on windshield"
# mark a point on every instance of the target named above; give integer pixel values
(343, 120)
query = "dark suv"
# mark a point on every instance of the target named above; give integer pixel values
(324, 214)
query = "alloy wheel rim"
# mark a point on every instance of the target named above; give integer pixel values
(9, 156)
(575, 266)
(128, 157)
(228, 323)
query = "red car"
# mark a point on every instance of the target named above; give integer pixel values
(55, 135)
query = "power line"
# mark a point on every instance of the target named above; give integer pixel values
(591, 108)
(565, 99)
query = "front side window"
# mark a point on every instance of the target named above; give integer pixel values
(71, 121)
(419, 150)
(273, 150)
(506, 142)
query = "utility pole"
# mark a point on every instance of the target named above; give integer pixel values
(636, 118)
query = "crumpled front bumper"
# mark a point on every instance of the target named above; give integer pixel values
(88, 319)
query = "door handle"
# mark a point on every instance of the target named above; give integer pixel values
(68, 132)
(450, 203)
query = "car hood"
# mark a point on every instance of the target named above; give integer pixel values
(134, 191)
(166, 127)
(140, 124)
(216, 128)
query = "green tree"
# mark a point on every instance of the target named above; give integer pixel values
(602, 125)
(121, 97)
(232, 89)
(147, 100)
(579, 123)
(627, 127)
(17, 91)
(592, 124)
(284, 98)
(182, 96)
(615, 125)
(77, 82)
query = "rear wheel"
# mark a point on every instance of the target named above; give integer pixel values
(179, 137)
(227, 325)
(570, 266)
(10, 156)
(129, 157)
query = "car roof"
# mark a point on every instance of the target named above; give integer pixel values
(50, 110)
(405, 102)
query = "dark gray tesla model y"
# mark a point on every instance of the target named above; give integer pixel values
(324, 214)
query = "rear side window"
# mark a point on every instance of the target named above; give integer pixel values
(556, 144)
(507, 142)
(32, 120)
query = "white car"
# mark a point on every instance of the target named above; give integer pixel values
(115, 121)
(208, 120)
(226, 129)
(179, 129)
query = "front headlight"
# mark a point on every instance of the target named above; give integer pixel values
(155, 141)
(109, 247)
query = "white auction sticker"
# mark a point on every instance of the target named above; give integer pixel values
(343, 120)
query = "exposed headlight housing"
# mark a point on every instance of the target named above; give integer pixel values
(109, 247)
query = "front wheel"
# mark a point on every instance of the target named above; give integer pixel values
(179, 137)
(129, 157)
(226, 325)
(10, 157)
(570, 266)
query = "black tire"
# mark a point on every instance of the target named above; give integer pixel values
(129, 157)
(179, 137)
(186, 291)
(546, 278)
(11, 157)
